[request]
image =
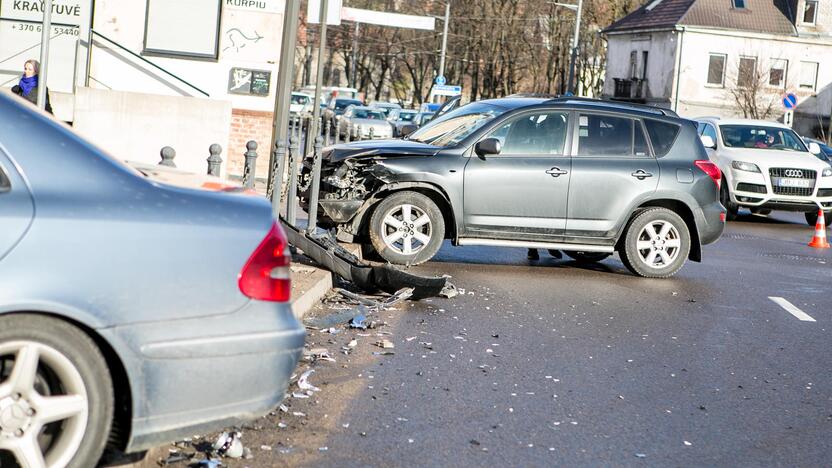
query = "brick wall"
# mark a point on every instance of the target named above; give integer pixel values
(249, 125)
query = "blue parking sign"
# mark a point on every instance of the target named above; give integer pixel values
(790, 101)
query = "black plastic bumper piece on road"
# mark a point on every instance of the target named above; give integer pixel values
(327, 253)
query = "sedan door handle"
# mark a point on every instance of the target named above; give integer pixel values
(556, 172)
(641, 174)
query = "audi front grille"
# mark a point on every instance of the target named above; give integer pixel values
(793, 173)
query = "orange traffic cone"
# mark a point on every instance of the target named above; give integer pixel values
(819, 239)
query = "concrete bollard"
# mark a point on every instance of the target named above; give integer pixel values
(250, 165)
(167, 155)
(275, 184)
(214, 160)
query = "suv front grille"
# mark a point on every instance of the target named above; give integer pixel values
(793, 174)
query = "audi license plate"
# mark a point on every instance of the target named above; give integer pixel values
(799, 183)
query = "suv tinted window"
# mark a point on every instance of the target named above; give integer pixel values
(607, 135)
(663, 134)
(543, 133)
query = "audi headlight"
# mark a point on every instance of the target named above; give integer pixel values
(827, 172)
(745, 166)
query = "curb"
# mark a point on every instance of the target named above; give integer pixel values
(309, 286)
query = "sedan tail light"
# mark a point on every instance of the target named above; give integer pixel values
(265, 276)
(712, 170)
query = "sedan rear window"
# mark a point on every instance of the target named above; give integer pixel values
(662, 135)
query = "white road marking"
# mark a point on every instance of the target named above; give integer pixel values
(792, 309)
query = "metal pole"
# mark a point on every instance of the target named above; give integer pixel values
(319, 77)
(444, 39)
(44, 52)
(89, 59)
(315, 186)
(570, 87)
(353, 65)
(280, 120)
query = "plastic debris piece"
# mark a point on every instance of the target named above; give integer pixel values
(284, 408)
(450, 291)
(337, 318)
(298, 414)
(247, 453)
(641, 455)
(303, 382)
(346, 425)
(410, 339)
(267, 448)
(282, 425)
(687, 443)
(386, 344)
(359, 322)
(229, 445)
(323, 449)
(209, 463)
(299, 395)
(175, 457)
(352, 344)
(383, 353)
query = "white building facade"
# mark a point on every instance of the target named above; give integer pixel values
(694, 56)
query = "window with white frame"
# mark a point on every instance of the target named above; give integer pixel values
(777, 74)
(182, 28)
(810, 11)
(716, 69)
(747, 72)
(808, 75)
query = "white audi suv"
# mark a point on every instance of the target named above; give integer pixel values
(766, 166)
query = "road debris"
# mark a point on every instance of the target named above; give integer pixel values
(229, 445)
(450, 291)
(303, 382)
(386, 344)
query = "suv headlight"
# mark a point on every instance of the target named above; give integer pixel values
(745, 166)
(827, 172)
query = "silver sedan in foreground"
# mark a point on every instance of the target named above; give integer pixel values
(132, 312)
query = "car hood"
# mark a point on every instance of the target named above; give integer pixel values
(766, 159)
(378, 148)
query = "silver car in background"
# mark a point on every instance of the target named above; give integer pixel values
(364, 122)
(132, 312)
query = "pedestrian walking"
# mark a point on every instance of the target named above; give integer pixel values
(28, 84)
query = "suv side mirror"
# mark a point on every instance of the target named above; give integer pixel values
(488, 146)
(814, 148)
(708, 141)
(406, 130)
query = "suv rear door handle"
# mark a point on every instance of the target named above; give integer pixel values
(641, 174)
(556, 172)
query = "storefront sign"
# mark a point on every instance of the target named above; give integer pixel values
(260, 6)
(63, 11)
(249, 82)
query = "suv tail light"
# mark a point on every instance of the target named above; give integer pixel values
(712, 170)
(265, 276)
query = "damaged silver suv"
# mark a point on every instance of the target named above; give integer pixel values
(584, 176)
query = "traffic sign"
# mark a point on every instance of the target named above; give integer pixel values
(446, 90)
(440, 80)
(790, 101)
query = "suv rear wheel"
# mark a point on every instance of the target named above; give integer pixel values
(656, 243)
(407, 228)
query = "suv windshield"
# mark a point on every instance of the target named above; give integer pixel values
(406, 116)
(299, 99)
(453, 127)
(761, 137)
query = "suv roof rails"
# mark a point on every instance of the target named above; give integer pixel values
(533, 95)
(615, 104)
(711, 117)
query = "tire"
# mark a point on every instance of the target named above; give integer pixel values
(725, 198)
(586, 257)
(812, 218)
(68, 364)
(423, 239)
(655, 260)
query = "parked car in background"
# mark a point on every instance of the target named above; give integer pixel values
(429, 107)
(520, 172)
(422, 118)
(364, 122)
(400, 118)
(336, 108)
(132, 312)
(301, 104)
(386, 107)
(766, 167)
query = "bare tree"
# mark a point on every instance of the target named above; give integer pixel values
(752, 94)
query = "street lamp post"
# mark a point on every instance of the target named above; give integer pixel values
(577, 8)
(44, 52)
(444, 39)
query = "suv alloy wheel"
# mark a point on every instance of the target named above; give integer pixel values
(407, 228)
(656, 243)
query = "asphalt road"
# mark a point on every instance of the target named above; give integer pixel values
(549, 362)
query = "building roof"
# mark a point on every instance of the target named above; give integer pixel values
(764, 16)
